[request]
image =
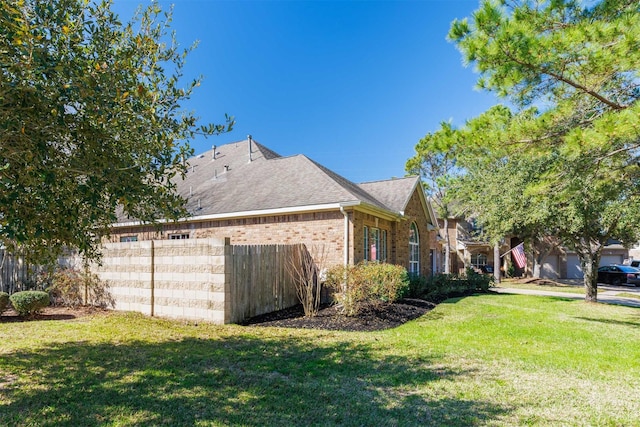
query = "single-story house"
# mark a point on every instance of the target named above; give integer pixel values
(248, 193)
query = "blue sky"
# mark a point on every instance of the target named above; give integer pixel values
(352, 85)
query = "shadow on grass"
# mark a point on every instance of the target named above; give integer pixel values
(634, 324)
(228, 381)
(541, 295)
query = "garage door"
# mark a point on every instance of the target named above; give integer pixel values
(574, 270)
(550, 268)
(610, 259)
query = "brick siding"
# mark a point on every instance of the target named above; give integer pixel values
(312, 229)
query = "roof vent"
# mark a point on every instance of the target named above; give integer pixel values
(226, 168)
(214, 153)
(250, 141)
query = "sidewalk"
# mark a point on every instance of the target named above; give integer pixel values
(606, 296)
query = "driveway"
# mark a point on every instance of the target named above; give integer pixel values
(606, 294)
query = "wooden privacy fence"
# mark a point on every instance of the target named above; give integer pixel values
(259, 281)
(15, 273)
(18, 275)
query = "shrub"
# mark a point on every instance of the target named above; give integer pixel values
(71, 287)
(418, 285)
(28, 303)
(367, 283)
(4, 301)
(442, 286)
(305, 269)
(479, 282)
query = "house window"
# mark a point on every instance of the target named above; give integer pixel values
(366, 242)
(128, 238)
(478, 260)
(178, 236)
(414, 250)
(375, 244)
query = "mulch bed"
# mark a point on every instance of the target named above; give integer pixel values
(372, 318)
(330, 317)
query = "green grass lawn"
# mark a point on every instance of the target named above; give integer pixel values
(628, 295)
(548, 286)
(557, 287)
(489, 360)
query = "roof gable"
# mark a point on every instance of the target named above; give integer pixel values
(394, 193)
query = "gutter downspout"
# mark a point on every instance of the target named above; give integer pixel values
(345, 244)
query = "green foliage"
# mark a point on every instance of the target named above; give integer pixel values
(479, 282)
(28, 303)
(562, 162)
(443, 286)
(418, 285)
(562, 50)
(72, 287)
(4, 301)
(92, 120)
(435, 162)
(367, 283)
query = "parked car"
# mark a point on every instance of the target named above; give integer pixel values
(619, 274)
(486, 269)
(635, 263)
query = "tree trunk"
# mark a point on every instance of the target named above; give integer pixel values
(496, 262)
(536, 268)
(541, 249)
(589, 262)
(447, 246)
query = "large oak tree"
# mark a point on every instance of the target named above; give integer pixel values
(91, 119)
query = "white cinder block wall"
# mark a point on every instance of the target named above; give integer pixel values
(183, 279)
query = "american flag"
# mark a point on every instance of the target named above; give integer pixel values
(518, 255)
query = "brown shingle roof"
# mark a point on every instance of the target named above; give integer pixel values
(394, 193)
(231, 184)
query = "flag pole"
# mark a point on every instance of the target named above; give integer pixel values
(509, 251)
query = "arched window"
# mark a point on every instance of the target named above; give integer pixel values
(414, 250)
(478, 260)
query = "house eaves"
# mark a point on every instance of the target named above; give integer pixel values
(248, 214)
(356, 205)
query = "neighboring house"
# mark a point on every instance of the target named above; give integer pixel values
(470, 249)
(250, 194)
(565, 264)
(468, 246)
(634, 252)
